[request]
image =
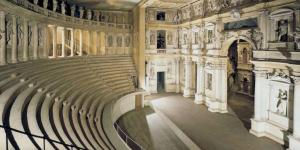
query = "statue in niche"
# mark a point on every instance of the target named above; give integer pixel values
(9, 31)
(20, 34)
(119, 41)
(209, 81)
(152, 73)
(40, 35)
(196, 37)
(110, 41)
(128, 41)
(152, 39)
(29, 35)
(281, 105)
(170, 38)
(184, 39)
(282, 31)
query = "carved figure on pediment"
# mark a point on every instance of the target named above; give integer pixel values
(281, 105)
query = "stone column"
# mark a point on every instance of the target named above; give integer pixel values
(45, 4)
(2, 39)
(294, 139)
(14, 52)
(35, 34)
(25, 43)
(199, 96)
(72, 43)
(54, 41)
(188, 76)
(63, 53)
(89, 43)
(177, 75)
(260, 103)
(45, 41)
(80, 42)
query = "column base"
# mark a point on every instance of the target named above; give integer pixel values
(3, 63)
(263, 128)
(14, 61)
(188, 93)
(216, 106)
(294, 143)
(199, 99)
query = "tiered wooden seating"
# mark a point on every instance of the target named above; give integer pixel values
(61, 100)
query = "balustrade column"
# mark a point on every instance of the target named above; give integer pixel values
(199, 96)
(14, 40)
(63, 53)
(25, 42)
(80, 42)
(72, 43)
(35, 40)
(54, 41)
(2, 39)
(187, 83)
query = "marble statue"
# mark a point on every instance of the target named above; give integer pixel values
(81, 11)
(63, 8)
(281, 105)
(282, 31)
(73, 9)
(54, 5)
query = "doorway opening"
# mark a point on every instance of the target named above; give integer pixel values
(160, 82)
(241, 81)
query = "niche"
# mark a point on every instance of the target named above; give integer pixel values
(161, 39)
(161, 16)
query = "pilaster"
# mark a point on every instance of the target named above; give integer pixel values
(14, 40)
(2, 39)
(35, 40)
(25, 42)
(199, 96)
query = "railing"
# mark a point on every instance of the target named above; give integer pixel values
(72, 19)
(130, 142)
(43, 146)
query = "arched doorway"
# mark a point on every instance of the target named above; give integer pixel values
(241, 80)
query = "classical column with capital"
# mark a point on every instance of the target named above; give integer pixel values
(188, 78)
(2, 39)
(14, 51)
(294, 139)
(54, 41)
(35, 40)
(260, 102)
(25, 42)
(80, 42)
(45, 41)
(63, 53)
(199, 96)
(177, 74)
(72, 43)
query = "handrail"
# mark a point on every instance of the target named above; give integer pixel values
(133, 145)
(36, 136)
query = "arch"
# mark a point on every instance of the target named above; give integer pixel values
(229, 42)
